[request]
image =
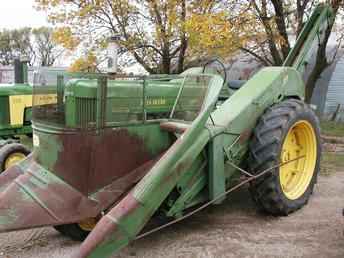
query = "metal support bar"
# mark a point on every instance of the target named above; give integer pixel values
(60, 91)
(144, 99)
(101, 102)
(217, 179)
(240, 169)
(178, 96)
(229, 158)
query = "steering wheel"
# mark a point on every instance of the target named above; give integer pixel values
(220, 72)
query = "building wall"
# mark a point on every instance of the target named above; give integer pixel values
(335, 92)
(320, 90)
(7, 73)
(319, 97)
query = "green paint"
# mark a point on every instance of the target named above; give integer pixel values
(155, 140)
(216, 174)
(48, 149)
(6, 129)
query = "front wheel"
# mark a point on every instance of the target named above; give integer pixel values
(286, 131)
(77, 231)
(11, 154)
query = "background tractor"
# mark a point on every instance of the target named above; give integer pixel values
(15, 116)
(112, 155)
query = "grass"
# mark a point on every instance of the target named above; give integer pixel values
(332, 128)
(331, 162)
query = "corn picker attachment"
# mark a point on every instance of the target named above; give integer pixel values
(111, 155)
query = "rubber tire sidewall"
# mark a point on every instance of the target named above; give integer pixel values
(267, 191)
(9, 149)
(303, 199)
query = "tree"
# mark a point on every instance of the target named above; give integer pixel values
(156, 33)
(87, 63)
(45, 48)
(36, 45)
(6, 53)
(15, 43)
(269, 40)
(162, 35)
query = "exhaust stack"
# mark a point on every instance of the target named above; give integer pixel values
(20, 70)
(112, 53)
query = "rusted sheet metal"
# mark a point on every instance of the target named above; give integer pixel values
(124, 208)
(13, 172)
(113, 192)
(109, 227)
(89, 162)
(37, 198)
(8, 176)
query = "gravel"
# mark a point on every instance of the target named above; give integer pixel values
(232, 229)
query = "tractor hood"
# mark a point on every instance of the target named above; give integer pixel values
(15, 89)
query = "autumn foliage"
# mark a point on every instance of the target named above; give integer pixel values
(85, 63)
(160, 35)
(164, 35)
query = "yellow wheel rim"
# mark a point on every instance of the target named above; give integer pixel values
(88, 224)
(296, 176)
(13, 159)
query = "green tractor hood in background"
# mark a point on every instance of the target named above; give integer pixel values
(16, 103)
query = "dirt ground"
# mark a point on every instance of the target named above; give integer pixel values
(232, 229)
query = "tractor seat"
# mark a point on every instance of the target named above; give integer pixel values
(236, 84)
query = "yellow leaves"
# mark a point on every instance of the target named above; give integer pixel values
(154, 32)
(86, 63)
(65, 37)
(212, 34)
(86, 10)
(45, 3)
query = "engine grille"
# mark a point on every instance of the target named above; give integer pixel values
(86, 112)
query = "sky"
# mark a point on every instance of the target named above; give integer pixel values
(20, 13)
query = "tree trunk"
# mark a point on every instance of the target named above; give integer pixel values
(165, 66)
(319, 67)
(281, 26)
(321, 61)
(181, 58)
(183, 42)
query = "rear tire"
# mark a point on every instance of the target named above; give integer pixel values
(283, 127)
(12, 153)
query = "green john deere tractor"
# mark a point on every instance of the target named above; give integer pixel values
(110, 155)
(15, 116)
